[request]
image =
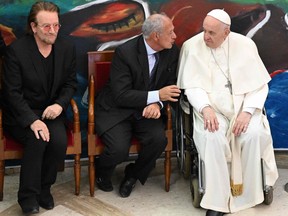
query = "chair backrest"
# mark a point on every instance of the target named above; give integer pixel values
(99, 66)
(101, 74)
(98, 74)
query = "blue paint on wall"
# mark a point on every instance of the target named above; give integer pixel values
(277, 109)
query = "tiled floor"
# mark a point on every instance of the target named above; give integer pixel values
(147, 200)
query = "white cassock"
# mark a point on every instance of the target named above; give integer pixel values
(229, 159)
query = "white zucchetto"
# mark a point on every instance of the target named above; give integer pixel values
(221, 15)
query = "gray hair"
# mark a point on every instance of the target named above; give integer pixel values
(153, 23)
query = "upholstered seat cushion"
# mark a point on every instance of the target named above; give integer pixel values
(10, 144)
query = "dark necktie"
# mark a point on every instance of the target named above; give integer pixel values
(153, 72)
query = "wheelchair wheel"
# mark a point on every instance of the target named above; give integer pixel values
(180, 139)
(187, 164)
(268, 195)
(195, 194)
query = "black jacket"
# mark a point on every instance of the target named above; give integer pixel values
(128, 86)
(25, 90)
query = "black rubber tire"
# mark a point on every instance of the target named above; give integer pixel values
(268, 196)
(196, 196)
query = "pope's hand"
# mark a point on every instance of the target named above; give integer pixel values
(210, 120)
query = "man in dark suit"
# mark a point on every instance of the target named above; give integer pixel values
(38, 83)
(140, 85)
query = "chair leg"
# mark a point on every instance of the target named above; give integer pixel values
(2, 173)
(167, 165)
(77, 173)
(91, 171)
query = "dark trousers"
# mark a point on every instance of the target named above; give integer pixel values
(117, 140)
(40, 160)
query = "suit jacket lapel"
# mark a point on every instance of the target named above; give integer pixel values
(143, 61)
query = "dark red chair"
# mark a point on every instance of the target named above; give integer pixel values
(10, 149)
(98, 70)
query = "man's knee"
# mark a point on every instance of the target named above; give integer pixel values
(217, 140)
(118, 153)
(35, 147)
(159, 139)
(253, 131)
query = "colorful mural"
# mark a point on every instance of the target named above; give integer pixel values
(104, 24)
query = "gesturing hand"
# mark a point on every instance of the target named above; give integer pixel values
(169, 93)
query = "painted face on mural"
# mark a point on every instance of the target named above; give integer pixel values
(215, 32)
(46, 28)
(112, 20)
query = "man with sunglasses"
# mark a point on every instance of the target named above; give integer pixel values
(39, 81)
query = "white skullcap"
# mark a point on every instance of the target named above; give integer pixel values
(221, 15)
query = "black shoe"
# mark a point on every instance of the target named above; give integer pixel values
(46, 200)
(214, 213)
(104, 185)
(127, 186)
(30, 210)
(47, 205)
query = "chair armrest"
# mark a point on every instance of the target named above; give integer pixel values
(1, 141)
(91, 104)
(169, 117)
(76, 118)
(1, 126)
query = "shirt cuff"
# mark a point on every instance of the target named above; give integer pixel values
(153, 97)
(201, 108)
(250, 110)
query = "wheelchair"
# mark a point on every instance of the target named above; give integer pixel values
(189, 161)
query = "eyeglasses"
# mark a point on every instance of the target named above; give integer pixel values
(47, 27)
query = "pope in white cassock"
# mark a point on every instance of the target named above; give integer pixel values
(226, 83)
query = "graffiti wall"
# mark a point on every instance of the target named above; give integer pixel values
(104, 24)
